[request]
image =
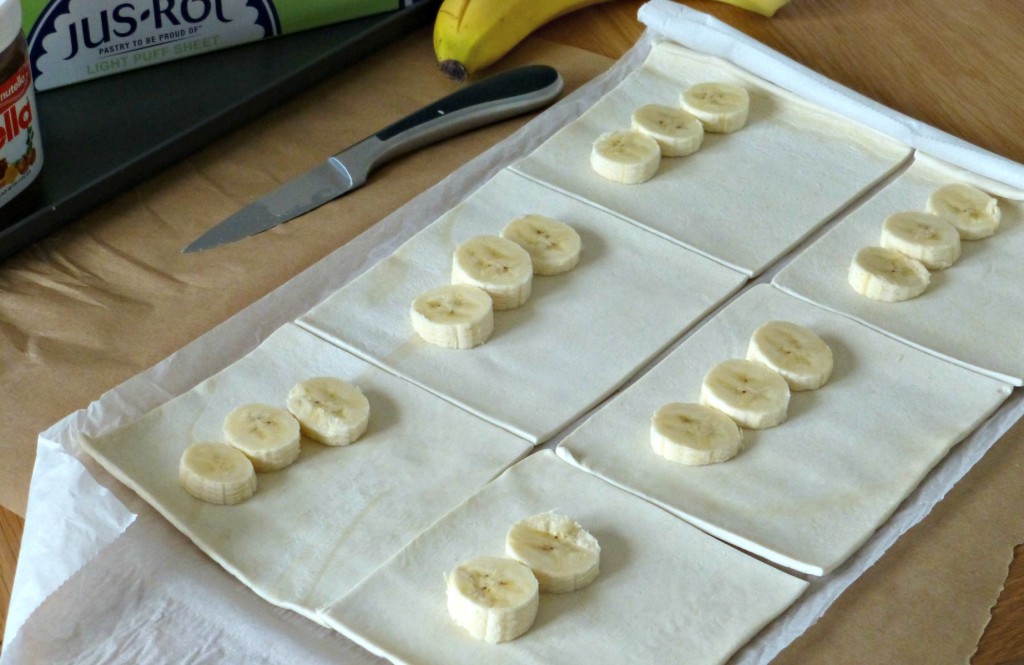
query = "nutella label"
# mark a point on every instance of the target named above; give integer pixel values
(20, 155)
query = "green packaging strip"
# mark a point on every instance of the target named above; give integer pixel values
(77, 40)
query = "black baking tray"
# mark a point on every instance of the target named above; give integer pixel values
(106, 135)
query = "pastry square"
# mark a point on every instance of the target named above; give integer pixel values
(666, 593)
(580, 335)
(315, 528)
(971, 312)
(744, 198)
(808, 492)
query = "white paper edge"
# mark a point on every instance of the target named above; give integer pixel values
(707, 34)
(85, 518)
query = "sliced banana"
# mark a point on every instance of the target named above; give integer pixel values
(217, 473)
(694, 434)
(721, 107)
(887, 275)
(972, 212)
(802, 358)
(625, 156)
(554, 246)
(922, 236)
(494, 598)
(563, 555)
(455, 316)
(678, 132)
(498, 266)
(748, 392)
(267, 435)
(329, 410)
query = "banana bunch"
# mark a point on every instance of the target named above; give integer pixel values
(470, 35)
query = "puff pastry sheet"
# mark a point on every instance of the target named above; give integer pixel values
(667, 593)
(579, 336)
(743, 198)
(317, 527)
(971, 313)
(808, 492)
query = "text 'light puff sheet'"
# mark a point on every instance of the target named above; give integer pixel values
(743, 198)
(315, 528)
(972, 312)
(806, 493)
(666, 592)
(580, 335)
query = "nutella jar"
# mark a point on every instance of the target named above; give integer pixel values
(21, 153)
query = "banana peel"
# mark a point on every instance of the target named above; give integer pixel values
(762, 7)
(470, 35)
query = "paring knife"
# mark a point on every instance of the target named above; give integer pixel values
(495, 98)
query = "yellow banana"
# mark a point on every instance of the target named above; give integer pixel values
(470, 35)
(763, 7)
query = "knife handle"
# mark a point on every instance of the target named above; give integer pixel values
(495, 98)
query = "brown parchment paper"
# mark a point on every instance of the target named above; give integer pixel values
(927, 599)
(109, 296)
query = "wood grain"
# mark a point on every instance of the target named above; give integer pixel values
(11, 527)
(1003, 641)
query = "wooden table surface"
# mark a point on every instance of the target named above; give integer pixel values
(957, 66)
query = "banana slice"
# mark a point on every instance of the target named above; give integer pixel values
(922, 236)
(495, 599)
(802, 358)
(694, 434)
(887, 275)
(721, 107)
(625, 156)
(329, 410)
(498, 266)
(678, 132)
(455, 316)
(554, 246)
(268, 435)
(563, 555)
(972, 212)
(748, 392)
(217, 473)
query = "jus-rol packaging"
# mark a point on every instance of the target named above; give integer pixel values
(77, 40)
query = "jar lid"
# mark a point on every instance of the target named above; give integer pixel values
(10, 22)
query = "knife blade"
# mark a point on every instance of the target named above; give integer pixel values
(492, 99)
